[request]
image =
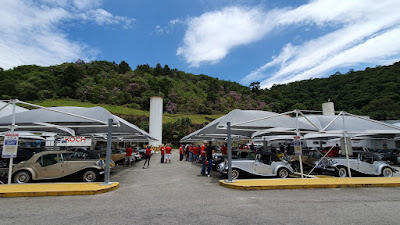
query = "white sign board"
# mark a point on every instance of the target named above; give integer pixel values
(10, 146)
(297, 145)
(75, 141)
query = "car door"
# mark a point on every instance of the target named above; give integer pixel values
(50, 166)
(263, 165)
(365, 164)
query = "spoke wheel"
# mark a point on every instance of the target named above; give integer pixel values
(22, 177)
(283, 173)
(341, 172)
(90, 176)
(235, 173)
(387, 172)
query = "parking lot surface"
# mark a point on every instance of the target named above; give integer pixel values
(175, 194)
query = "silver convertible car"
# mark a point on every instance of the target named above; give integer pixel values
(56, 164)
(367, 163)
(265, 164)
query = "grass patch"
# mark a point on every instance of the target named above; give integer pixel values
(122, 110)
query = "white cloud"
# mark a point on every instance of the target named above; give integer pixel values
(211, 36)
(167, 29)
(348, 45)
(361, 31)
(31, 31)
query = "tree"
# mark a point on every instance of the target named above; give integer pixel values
(124, 67)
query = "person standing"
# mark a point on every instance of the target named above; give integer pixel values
(224, 150)
(181, 153)
(210, 149)
(196, 151)
(162, 149)
(191, 153)
(128, 155)
(203, 157)
(168, 153)
(148, 156)
(187, 152)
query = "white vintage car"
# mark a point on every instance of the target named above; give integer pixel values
(367, 163)
(265, 164)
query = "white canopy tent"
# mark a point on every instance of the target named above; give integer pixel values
(64, 118)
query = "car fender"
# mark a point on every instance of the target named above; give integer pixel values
(282, 166)
(30, 170)
(383, 165)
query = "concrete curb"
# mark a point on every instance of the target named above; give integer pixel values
(55, 189)
(306, 183)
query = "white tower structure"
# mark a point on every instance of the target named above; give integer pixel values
(328, 109)
(155, 123)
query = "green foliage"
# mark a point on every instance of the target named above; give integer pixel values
(373, 92)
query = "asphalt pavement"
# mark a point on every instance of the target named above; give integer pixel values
(175, 194)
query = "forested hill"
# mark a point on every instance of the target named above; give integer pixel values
(374, 91)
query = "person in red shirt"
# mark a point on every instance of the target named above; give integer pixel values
(191, 153)
(148, 156)
(181, 153)
(128, 155)
(224, 150)
(162, 149)
(168, 152)
(196, 150)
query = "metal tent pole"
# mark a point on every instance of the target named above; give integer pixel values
(13, 101)
(108, 153)
(345, 145)
(229, 152)
(298, 134)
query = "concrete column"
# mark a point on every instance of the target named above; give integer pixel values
(155, 123)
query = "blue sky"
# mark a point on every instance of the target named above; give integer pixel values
(269, 41)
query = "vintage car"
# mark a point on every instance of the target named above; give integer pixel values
(57, 164)
(218, 157)
(86, 153)
(265, 164)
(23, 154)
(367, 163)
(390, 155)
(308, 158)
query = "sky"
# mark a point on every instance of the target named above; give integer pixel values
(266, 41)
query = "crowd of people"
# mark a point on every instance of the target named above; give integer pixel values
(189, 152)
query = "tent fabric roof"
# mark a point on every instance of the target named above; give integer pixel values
(352, 124)
(256, 120)
(245, 122)
(124, 130)
(46, 116)
(210, 131)
(8, 109)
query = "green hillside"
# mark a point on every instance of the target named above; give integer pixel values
(191, 101)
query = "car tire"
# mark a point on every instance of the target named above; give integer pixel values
(283, 173)
(22, 177)
(341, 172)
(90, 176)
(296, 166)
(235, 174)
(387, 172)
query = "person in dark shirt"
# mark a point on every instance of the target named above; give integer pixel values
(210, 149)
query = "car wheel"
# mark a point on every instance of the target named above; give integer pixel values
(296, 166)
(341, 172)
(22, 177)
(235, 174)
(90, 176)
(387, 172)
(283, 173)
(219, 167)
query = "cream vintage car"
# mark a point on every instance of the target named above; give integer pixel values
(57, 164)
